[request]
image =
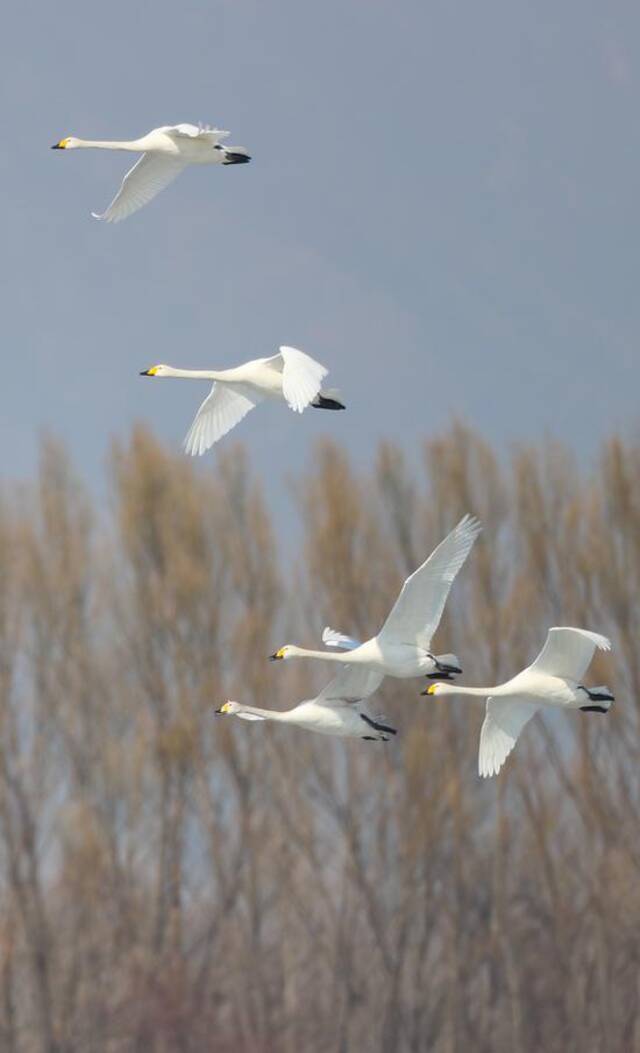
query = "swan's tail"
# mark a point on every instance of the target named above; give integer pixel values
(328, 400)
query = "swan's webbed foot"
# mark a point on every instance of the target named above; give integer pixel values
(444, 670)
(597, 694)
(383, 728)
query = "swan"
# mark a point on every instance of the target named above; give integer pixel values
(290, 375)
(553, 679)
(337, 710)
(165, 152)
(402, 648)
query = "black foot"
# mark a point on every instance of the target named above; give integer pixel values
(600, 696)
(235, 159)
(593, 709)
(378, 727)
(321, 402)
(444, 671)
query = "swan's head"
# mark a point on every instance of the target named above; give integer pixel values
(156, 371)
(437, 689)
(229, 707)
(288, 651)
(66, 144)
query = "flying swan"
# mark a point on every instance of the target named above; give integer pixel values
(553, 679)
(290, 375)
(402, 648)
(337, 710)
(165, 153)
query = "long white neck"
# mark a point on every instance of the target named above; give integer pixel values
(459, 689)
(110, 144)
(327, 656)
(264, 714)
(195, 374)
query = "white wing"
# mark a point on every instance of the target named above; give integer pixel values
(568, 652)
(149, 175)
(302, 376)
(196, 131)
(331, 638)
(352, 684)
(503, 723)
(416, 613)
(222, 409)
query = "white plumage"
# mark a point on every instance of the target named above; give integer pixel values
(402, 648)
(166, 152)
(337, 710)
(552, 679)
(291, 376)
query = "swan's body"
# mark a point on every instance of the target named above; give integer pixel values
(165, 153)
(337, 710)
(553, 679)
(402, 648)
(291, 375)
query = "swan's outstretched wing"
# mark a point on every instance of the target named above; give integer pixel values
(196, 131)
(416, 613)
(503, 722)
(352, 684)
(302, 376)
(332, 638)
(149, 175)
(222, 409)
(568, 652)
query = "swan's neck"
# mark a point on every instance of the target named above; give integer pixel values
(459, 689)
(195, 374)
(109, 144)
(266, 714)
(328, 656)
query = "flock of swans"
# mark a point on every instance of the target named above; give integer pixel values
(402, 647)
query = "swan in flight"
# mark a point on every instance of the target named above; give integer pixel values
(337, 710)
(553, 679)
(165, 153)
(402, 648)
(290, 375)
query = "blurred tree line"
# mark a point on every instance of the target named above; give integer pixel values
(176, 883)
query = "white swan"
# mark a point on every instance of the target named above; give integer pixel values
(553, 679)
(290, 375)
(165, 153)
(337, 710)
(402, 648)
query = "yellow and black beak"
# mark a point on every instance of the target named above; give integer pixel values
(430, 690)
(275, 657)
(60, 146)
(151, 372)
(224, 708)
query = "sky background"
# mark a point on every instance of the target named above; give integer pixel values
(442, 207)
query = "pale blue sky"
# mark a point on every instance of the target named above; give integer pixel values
(442, 208)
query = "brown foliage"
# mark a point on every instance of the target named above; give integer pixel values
(173, 882)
